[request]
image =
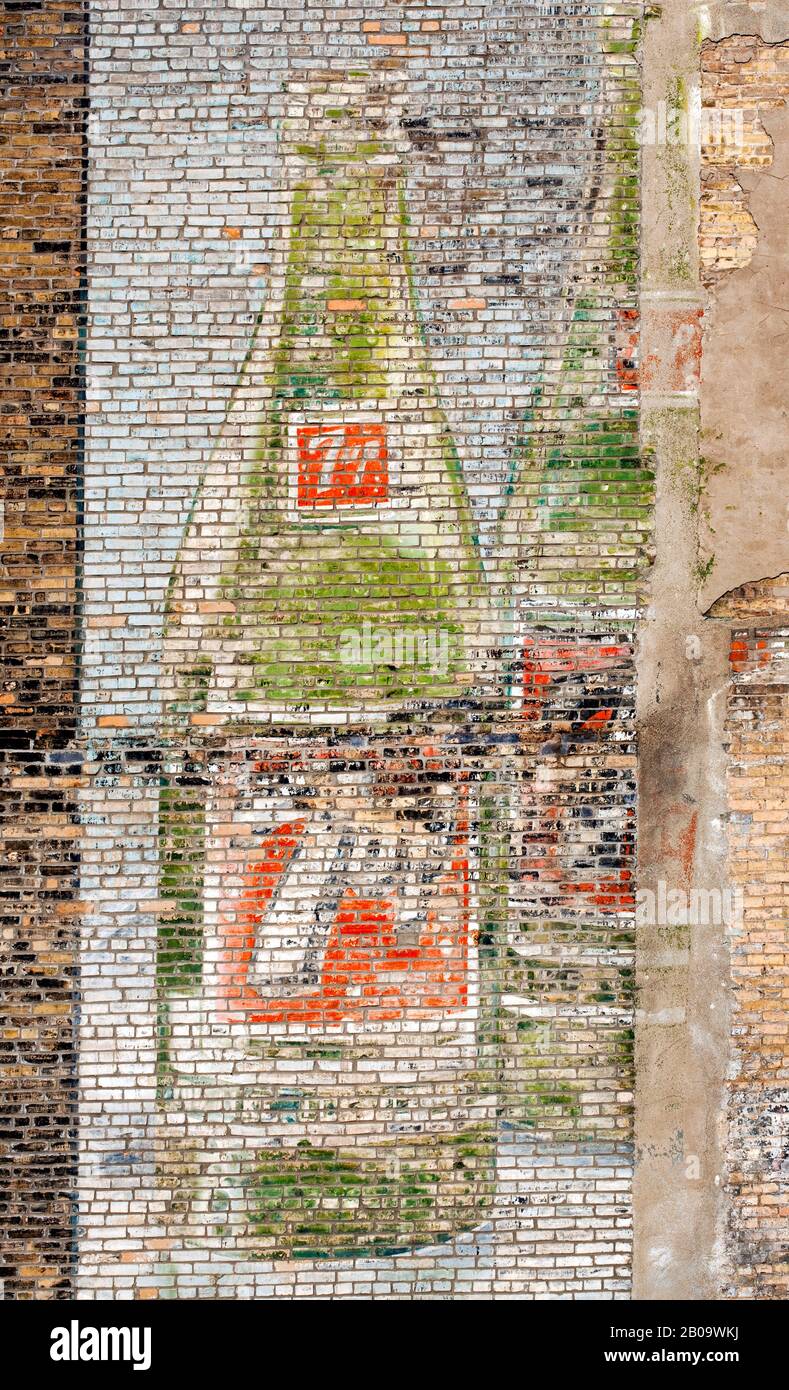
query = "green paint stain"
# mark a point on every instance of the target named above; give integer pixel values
(312, 1203)
(181, 854)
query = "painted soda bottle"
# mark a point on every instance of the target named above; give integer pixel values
(572, 542)
(324, 646)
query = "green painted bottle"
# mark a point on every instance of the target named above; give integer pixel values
(571, 543)
(333, 520)
(326, 638)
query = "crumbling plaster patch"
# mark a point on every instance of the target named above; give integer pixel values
(717, 442)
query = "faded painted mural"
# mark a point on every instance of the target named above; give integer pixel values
(366, 519)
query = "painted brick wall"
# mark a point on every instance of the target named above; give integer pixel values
(356, 970)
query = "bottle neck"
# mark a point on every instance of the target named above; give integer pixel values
(344, 284)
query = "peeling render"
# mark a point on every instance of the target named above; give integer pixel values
(711, 1077)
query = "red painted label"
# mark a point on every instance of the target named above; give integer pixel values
(627, 346)
(342, 465)
(367, 973)
(560, 690)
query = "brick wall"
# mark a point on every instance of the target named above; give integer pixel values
(758, 708)
(327, 524)
(357, 956)
(41, 158)
(319, 827)
(745, 83)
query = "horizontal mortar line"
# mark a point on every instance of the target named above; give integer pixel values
(519, 1003)
(521, 943)
(658, 400)
(661, 1018)
(527, 913)
(606, 956)
(674, 297)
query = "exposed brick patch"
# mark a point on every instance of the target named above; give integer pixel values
(741, 77)
(764, 598)
(758, 790)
